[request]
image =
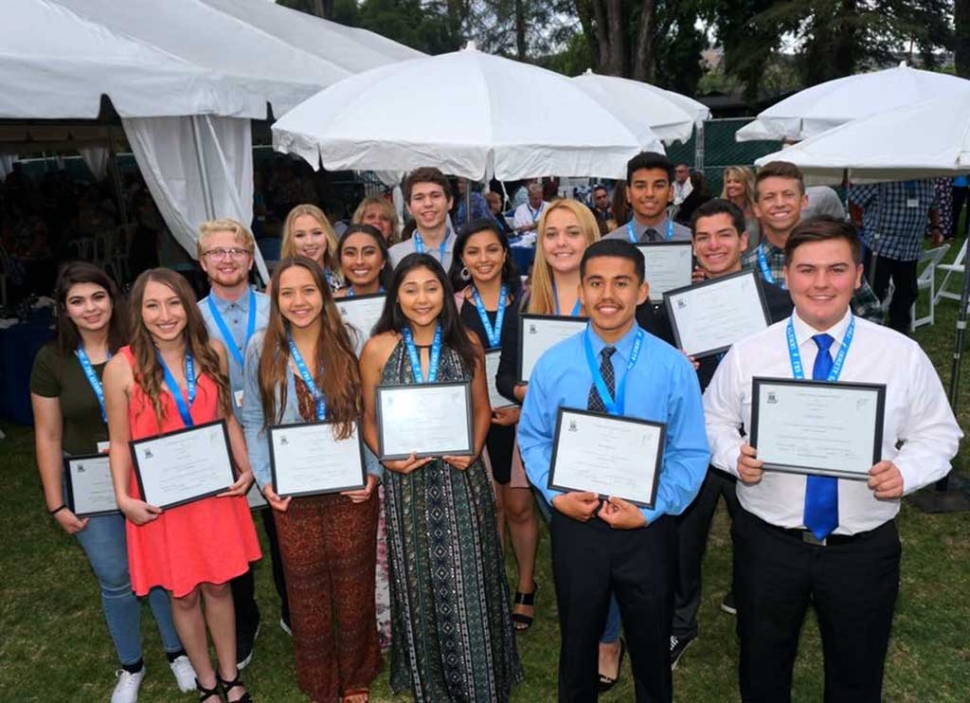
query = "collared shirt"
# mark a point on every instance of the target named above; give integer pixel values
(917, 414)
(682, 190)
(894, 216)
(402, 249)
(525, 214)
(864, 302)
(662, 388)
(236, 316)
(656, 233)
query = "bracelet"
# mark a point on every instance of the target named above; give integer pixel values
(55, 511)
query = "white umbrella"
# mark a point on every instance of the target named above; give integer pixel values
(822, 107)
(641, 106)
(928, 139)
(468, 113)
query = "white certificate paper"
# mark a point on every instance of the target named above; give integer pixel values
(432, 419)
(183, 466)
(360, 313)
(709, 317)
(537, 333)
(817, 427)
(608, 455)
(89, 488)
(306, 459)
(495, 399)
(668, 266)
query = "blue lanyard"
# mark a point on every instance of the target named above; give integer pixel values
(798, 371)
(535, 213)
(612, 407)
(174, 389)
(419, 246)
(766, 270)
(318, 398)
(93, 378)
(494, 334)
(555, 296)
(351, 293)
(416, 360)
(632, 232)
(236, 352)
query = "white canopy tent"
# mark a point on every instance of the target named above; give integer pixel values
(822, 107)
(486, 116)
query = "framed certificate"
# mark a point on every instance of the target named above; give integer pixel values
(817, 427)
(90, 491)
(608, 455)
(307, 459)
(537, 333)
(183, 466)
(360, 313)
(429, 419)
(668, 266)
(707, 318)
(495, 399)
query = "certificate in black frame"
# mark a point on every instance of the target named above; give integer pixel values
(658, 459)
(274, 471)
(656, 296)
(758, 382)
(531, 319)
(465, 450)
(69, 482)
(670, 305)
(134, 444)
(350, 301)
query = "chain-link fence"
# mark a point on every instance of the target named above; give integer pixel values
(721, 150)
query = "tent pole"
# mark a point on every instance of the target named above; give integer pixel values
(699, 148)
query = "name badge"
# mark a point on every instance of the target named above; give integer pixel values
(912, 202)
(238, 395)
(103, 447)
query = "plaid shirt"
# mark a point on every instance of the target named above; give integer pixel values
(864, 303)
(894, 216)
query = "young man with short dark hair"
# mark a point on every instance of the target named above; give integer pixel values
(649, 190)
(427, 194)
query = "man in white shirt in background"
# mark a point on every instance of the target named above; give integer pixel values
(526, 218)
(682, 184)
(829, 542)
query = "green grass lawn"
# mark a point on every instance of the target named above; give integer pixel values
(54, 645)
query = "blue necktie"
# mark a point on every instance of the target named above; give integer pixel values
(822, 492)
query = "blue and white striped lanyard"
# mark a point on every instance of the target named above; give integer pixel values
(93, 378)
(236, 352)
(766, 270)
(173, 387)
(612, 407)
(494, 334)
(798, 370)
(419, 246)
(318, 397)
(416, 360)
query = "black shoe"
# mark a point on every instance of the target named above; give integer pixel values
(677, 648)
(606, 682)
(245, 648)
(728, 605)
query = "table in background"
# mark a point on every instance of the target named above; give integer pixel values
(19, 345)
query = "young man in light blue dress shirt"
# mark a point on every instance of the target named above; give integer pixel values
(233, 312)
(599, 547)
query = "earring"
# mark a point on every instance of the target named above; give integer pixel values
(465, 276)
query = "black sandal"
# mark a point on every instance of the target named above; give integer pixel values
(235, 683)
(523, 622)
(607, 682)
(207, 693)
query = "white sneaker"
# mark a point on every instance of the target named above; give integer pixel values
(126, 691)
(184, 673)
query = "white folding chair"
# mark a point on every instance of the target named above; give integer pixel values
(955, 267)
(926, 280)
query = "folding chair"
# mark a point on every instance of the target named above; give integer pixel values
(955, 267)
(926, 280)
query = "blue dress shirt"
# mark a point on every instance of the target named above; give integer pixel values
(662, 388)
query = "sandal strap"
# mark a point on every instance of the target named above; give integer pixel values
(207, 693)
(235, 683)
(527, 598)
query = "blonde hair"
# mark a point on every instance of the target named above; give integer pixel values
(389, 212)
(746, 176)
(541, 298)
(288, 247)
(239, 230)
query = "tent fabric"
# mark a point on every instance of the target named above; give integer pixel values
(186, 159)
(6, 165)
(937, 143)
(96, 159)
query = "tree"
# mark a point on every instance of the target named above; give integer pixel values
(961, 43)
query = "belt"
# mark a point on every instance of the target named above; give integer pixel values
(808, 537)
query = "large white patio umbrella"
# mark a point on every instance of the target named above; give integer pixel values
(466, 112)
(642, 106)
(827, 105)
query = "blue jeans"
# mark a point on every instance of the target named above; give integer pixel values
(103, 540)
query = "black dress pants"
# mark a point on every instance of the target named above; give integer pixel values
(244, 587)
(906, 289)
(853, 588)
(693, 526)
(589, 561)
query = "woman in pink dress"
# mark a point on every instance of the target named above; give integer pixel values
(171, 377)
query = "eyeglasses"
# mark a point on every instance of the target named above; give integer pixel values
(220, 253)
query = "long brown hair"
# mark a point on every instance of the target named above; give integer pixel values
(68, 338)
(334, 370)
(150, 375)
(541, 299)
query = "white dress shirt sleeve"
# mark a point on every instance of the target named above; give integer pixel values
(723, 413)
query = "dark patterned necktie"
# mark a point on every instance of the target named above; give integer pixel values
(595, 403)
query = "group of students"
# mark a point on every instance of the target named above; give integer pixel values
(440, 596)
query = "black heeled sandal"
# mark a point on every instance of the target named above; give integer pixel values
(235, 683)
(207, 693)
(521, 621)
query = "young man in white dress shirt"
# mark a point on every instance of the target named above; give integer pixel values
(821, 540)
